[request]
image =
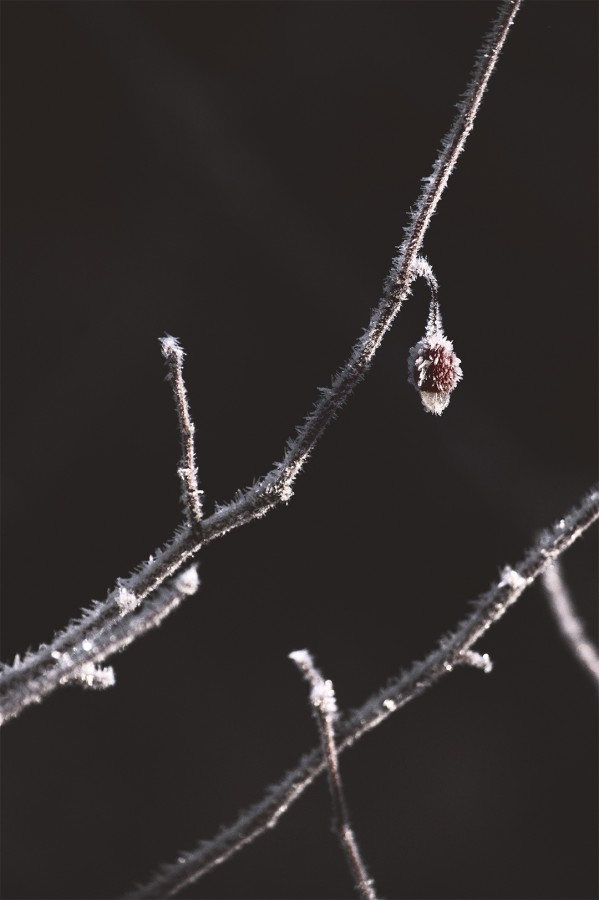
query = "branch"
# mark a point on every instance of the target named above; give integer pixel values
(29, 681)
(39, 668)
(324, 705)
(568, 622)
(188, 473)
(452, 650)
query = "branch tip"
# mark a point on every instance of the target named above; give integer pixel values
(191, 494)
(477, 660)
(170, 346)
(322, 694)
(322, 697)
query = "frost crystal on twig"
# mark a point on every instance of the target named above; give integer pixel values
(126, 599)
(322, 694)
(433, 367)
(188, 581)
(188, 473)
(98, 677)
(322, 697)
(477, 660)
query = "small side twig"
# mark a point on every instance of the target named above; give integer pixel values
(569, 623)
(477, 660)
(188, 472)
(324, 704)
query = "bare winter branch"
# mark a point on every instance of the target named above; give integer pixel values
(79, 662)
(453, 650)
(39, 674)
(322, 698)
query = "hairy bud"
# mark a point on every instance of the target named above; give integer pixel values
(433, 367)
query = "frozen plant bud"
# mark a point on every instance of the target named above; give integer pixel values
(433, 367)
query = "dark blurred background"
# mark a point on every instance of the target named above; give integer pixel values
(238, 175)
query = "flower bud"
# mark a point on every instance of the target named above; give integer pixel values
(433, 367)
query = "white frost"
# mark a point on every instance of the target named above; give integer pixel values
(435, 402)
(96, 677)
(322, 693)
(171, 346)
(512, 578)
(126, 600)
(188, 581)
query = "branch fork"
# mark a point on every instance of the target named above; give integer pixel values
(324, 705)
(141, 601)
(36, 676)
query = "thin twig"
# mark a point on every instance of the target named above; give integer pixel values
(188, 472)
(477, 660)
(569, 623)
(16, 685)
(452, 651)
(324, 704)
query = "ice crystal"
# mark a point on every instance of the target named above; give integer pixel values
(96, 677)
(512, 578)
(126, 600)
(322, 694)
(188, 581)
(478, 660)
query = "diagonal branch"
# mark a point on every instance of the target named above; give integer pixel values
(324, 705)
(39, 667)
(453, 650)
(77, 661)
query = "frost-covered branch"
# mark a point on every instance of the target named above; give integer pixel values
(191, 494)
(324, 705)
(569, 623)
(453, 650)
(40, 668)
(76, 661)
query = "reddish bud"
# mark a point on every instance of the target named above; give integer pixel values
(434, 369)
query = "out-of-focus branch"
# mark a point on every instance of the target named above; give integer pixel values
(569, 623)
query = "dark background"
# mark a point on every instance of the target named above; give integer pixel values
(238, 175)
